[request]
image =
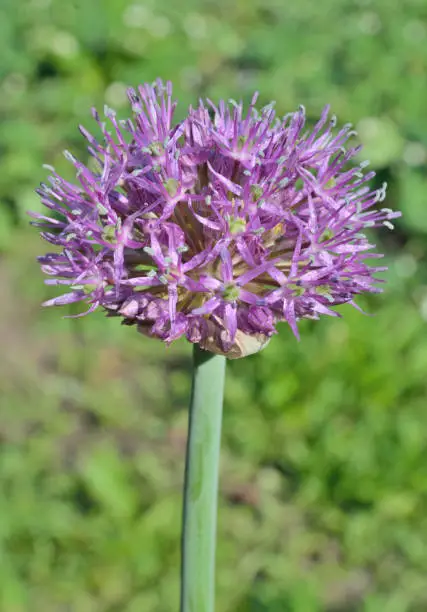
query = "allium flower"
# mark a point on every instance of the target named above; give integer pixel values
(216, 228)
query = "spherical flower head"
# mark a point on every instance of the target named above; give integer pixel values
(216, 228)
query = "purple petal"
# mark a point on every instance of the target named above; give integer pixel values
(67, 298)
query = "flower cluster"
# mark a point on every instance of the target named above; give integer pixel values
(215, 228)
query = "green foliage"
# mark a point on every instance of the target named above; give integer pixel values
(323, 483)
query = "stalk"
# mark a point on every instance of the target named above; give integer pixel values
(201, 483)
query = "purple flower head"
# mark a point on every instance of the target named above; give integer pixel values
(215, 228)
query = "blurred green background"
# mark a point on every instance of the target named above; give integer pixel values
(323, 502)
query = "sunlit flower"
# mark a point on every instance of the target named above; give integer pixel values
(216, 228)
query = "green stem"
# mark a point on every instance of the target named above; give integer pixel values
(201, 483)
